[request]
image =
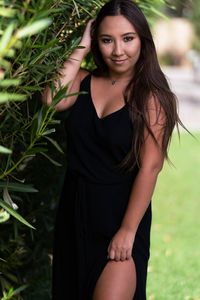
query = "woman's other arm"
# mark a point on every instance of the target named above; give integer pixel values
(71, 73)
(151, 162)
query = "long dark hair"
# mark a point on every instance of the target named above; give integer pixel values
(148, 80)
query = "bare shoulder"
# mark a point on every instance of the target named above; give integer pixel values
(83, 73)
(155, 111)
(153, 102)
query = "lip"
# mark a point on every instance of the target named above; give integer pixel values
(118, 61)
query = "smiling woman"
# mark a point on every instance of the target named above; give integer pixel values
(117, 136)
(119, 46)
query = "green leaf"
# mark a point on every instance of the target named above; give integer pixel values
(51, 160)
(34, 126)
(55, 122)
(5, 64)
(44, 53)
(55, 144)
(4, 97)
(40, 117)
(5, 150)
(49, 131)
(1, 259)
(9, 82)
(76, 93)
(18, 187)
(36, 150)
(6, 37)
(20, 289)
(13, 213)
(31, 88)
(61, 94)
(76, 8)
(33, 28)
(10, 53)
(7, 12)
(159, 13)
(4, 216)
(8, 199)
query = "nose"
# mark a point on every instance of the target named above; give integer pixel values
(117, 49)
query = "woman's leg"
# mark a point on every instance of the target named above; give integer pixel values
(117, 281)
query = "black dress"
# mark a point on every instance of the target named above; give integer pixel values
(93, 201)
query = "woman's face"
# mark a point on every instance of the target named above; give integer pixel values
(119, 44)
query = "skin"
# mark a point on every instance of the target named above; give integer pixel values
(120, 47)
(71, 73)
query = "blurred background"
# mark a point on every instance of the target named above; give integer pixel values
(178, 43)
(174, 268)
(35, 39)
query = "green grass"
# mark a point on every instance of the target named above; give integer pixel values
(174, 267)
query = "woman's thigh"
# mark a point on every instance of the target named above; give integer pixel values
(117, 281)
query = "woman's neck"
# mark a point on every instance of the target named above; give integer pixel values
(117, 77)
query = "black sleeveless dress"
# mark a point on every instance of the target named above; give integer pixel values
(93, 201)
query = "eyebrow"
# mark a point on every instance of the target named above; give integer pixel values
(107, 35)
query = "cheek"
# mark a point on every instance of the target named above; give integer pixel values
(138, 50)
(105, 50)
(134, 50)
(138, 47)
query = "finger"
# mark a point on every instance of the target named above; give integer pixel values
(117, 255)
(123, 255)
(109, 252)
(128, 254)
(112, 254)
(109, 247)
(90, 22)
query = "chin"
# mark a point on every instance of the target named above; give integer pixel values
(121, 70)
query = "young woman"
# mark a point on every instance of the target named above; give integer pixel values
(117, 136)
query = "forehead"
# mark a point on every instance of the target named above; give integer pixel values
(115, 25)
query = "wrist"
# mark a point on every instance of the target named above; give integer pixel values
(76, 56)
(128, 228)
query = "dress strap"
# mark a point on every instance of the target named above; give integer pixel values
(85, 83)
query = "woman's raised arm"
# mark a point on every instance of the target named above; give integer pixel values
(71, 73)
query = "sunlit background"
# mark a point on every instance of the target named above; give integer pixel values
(174, 268)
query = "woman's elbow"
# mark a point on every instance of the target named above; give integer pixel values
(157, 167)
(154, 167)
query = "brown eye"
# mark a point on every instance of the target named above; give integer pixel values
(106, 40)
(128, 38)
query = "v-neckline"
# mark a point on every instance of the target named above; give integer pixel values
(108, 115)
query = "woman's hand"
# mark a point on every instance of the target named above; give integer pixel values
(120, 247)
(86, 39)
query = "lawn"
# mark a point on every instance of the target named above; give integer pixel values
(174, 267)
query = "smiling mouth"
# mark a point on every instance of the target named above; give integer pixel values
(118, 61)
